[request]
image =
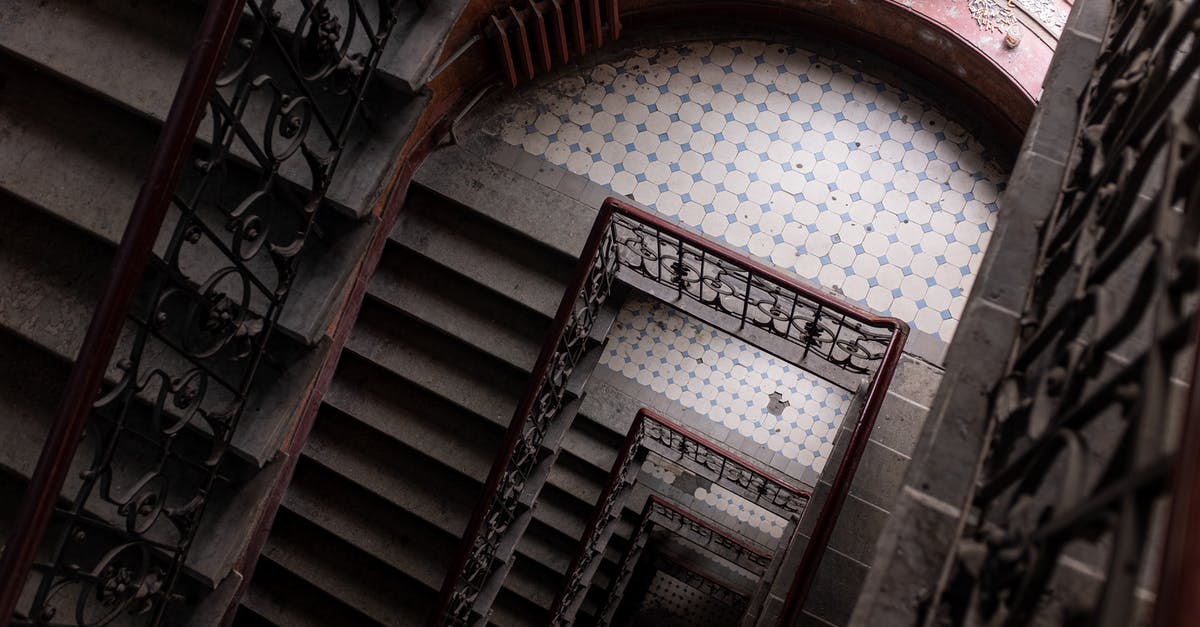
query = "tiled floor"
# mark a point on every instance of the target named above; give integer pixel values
(793, 158)
(730, 505)
(726, 380)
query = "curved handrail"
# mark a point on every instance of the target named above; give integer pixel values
(603, 238)
(172, 152)
(603, 514)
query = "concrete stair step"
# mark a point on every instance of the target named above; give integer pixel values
(410, 545)
(513, 610)
(577, 478)
(438, 362)
(503, 260)
(407, 478)
(593, 443)
(414, 416)
(522, 204)
(534, 583)
(357, 580)
(410, 60)
(133, 53)
(279, 597)
(457, 306)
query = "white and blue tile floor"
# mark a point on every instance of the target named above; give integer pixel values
(728, 382)
(818, 168)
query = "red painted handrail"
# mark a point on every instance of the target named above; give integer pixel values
(171, 153)
(845, 474)
(630, 447)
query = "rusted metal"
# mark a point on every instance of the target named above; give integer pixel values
(200, 331)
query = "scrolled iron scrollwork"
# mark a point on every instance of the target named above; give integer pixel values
(547, 400)
(754, 300)
(1076, 457)
(211, 303)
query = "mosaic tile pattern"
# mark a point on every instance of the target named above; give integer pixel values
(659, 471)
(726, 380)
(788, 156)
(744, 511)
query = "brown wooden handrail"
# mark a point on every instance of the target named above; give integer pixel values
(172, 153)
(516, 426)
(632, 444)
(600, 228)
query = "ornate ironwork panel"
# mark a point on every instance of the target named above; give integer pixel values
(652, 433)
(547, 401)
(753, 298)
(709, 536)
(706, 460)
(190, 364)
(1080, 452)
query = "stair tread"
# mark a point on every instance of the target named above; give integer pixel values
(525, 280)
(454, 305)
(552, 218)
(353, 579)
(439, 496)
(415, 417)
(436, 363)
(291, 608)
(531, 581)
(410, 545)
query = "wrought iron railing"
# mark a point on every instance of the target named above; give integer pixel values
(1079, 455)
(659, 512)
(508, 480)
(762, 298)
(651, 432)
(709, 587)
(278, 97)
(651, 253)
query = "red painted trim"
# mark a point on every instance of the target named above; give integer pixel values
(172, 152)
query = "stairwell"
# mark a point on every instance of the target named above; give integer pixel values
(451, 325)
(84, 91)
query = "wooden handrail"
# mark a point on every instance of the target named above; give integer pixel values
(516, 429)
(632, 444)
(172, 153)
